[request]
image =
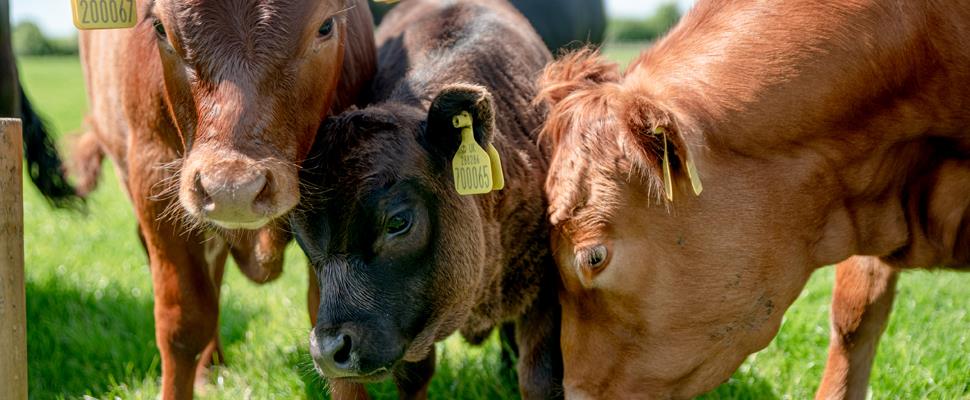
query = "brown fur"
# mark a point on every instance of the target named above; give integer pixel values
(229, 98)
(820, 131)
(489, 261)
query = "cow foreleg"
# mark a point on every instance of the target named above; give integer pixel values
(216, 252)
(186, 308)
(186, 298)
(412, 379)
(861, 302)
(540, 356)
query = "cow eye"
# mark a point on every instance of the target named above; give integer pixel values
(398, 224)
(326, 29)
(160, 29)
(593, 257)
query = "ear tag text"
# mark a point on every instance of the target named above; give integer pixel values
(104, 14)
(471, 166)
(498, 177)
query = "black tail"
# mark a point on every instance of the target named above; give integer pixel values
(43, 163)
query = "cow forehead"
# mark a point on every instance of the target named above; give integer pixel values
(241, 32)
(587, 174)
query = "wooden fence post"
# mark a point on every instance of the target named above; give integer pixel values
(13, 312)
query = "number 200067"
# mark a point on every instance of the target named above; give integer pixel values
(101, 14)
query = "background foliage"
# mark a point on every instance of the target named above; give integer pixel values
(644, 30)
(29, 40)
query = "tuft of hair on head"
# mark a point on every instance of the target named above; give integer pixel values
(581, 69)
(575, 89)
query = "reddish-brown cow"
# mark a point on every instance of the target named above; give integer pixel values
(820, 130)
(207, 107)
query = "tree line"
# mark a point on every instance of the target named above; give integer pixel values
(29, 40)
(647, 29)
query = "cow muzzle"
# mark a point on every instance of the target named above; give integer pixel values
(233, 191)
(346, 353)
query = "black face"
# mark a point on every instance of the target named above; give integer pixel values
(372, 259)
(398, 253)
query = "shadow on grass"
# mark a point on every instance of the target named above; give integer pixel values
(87, 342)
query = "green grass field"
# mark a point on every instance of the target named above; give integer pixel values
(90, 328)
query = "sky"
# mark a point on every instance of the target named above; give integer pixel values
(54, 16)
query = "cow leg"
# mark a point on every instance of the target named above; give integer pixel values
(412, 379)
(342, 390)
(861, 302)
(540, 356)
(186, 307)
(186, 299)
(216, 252)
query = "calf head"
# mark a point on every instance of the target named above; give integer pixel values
(400, 256)
(660, 298)
(247, 83)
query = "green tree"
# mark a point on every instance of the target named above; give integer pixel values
(649, 29)
(29, 40)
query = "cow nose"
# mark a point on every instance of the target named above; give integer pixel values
(232, 198)
(335, 354)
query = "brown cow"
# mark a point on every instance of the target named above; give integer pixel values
(403, 259)
(820, 130)
(207, 107)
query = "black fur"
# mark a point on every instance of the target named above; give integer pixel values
(44, 165)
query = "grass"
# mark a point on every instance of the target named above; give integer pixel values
(90, 328)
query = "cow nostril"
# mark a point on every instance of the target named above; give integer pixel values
(342, 356)
(265, 194)
(207, 203)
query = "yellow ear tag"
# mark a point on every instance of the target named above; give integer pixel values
(668, 182)
(498, 177)
(695, 180)
(104, 14)
(471, 166)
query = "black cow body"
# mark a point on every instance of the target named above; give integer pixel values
(563, 24)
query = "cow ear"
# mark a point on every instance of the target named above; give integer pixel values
(581, 69)
(656, 143)
(440, 135)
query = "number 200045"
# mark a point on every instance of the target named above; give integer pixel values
(104, 13)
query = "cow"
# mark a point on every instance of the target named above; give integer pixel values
(207, 108)
(403, 260)
(563, 24)
(44, 166)
(693, 195)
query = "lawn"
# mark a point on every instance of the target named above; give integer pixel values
(90, 329)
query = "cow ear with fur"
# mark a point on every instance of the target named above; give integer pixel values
(581, 69)
(440, 135)
(654, 140)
